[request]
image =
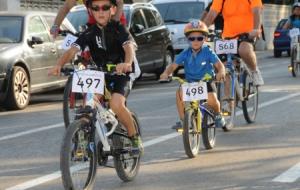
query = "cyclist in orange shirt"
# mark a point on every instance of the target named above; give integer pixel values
(240, 16)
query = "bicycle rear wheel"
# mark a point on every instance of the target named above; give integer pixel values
(250, 94)
(208, 130)
(191, 136)
(227, 103)
(78, 157)
(71, 102)
(126, 164)
(294, 63)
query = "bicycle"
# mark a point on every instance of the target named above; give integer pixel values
(241, 87)
(295, 48)
(96, 119)
(198, 119)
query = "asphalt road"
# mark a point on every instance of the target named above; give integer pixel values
(261, 156)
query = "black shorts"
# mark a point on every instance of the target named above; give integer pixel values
(211, 87)
(117, 83)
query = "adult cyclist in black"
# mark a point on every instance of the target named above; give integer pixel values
(109, 42)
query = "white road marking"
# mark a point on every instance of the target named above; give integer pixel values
(57, 174)
(35, 130)
(289, 176)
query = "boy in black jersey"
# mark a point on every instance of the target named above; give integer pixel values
(109, 42)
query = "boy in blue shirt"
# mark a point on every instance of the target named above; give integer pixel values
(197, 61)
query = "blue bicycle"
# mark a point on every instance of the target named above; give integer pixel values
(238, 90)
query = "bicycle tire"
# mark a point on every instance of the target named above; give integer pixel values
(208, 131)
(294, 64)
(249, 91)
(229, 116)
(70, 142)
(119, 159)
(71, 102)
(190, 122)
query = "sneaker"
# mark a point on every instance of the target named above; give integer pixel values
(137, 145)
(219, 121)
(178, 125)
(257, 78)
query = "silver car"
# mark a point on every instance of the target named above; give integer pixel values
(177, 14)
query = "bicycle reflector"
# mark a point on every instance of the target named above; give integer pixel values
(290, 68)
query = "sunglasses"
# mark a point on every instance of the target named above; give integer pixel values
(198, 38)
(103, 8)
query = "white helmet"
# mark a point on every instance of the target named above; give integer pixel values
(297, 4)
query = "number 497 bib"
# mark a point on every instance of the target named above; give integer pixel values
(85, 81)
(194, 91)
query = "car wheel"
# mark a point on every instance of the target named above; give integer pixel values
(18, 91)
(277, 53)
(168, 60)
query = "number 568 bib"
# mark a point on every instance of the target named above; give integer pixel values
(194, 91)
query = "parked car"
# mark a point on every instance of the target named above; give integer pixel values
(282, 39)
(155, 50)
(177, 14)
(27, 51)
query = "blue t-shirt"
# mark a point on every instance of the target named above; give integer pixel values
(197, 65)
(295, 23)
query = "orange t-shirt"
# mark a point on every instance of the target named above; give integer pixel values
(238, 16)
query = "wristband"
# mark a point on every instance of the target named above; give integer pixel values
(54, 29)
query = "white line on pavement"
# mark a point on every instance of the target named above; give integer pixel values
(289, 176)
(56, 175)
(35, 130)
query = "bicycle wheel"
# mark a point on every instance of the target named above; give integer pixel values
(294, 63)
(250, 94)
(191, 136)
(208, 130)
(78, 157)
(227, 104)
(71, 102)
(126, 164)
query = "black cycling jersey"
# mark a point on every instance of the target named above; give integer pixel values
(105, 44)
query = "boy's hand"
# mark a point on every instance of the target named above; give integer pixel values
(123, 68)
(220, 76)
(55, 71)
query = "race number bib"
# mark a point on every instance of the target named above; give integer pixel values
(294, 32)
(226, 46)
(88, 81)
(68, 41)
(194, 91)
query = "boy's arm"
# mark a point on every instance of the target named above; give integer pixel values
(129, 54)
(169, 70)
(65, 58)
(220, 70)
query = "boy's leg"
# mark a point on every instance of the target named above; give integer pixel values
(117, 104)
(180, 109)
(214, 103)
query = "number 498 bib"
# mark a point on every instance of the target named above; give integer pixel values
(194, 91)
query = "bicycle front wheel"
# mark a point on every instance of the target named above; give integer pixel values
(250, 94)
(294, 63)
(126, 164)
(71, 103)
(78, 157)
(208, 130)
(191, 135)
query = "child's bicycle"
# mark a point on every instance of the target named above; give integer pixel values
(239, 88)
(295, 51)
(94, 135)
(198, 118)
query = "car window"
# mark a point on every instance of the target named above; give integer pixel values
(150, 19)
(180, 12)
(38, 29)
(10, 29)
(138, 18)
(49, 19)
(78, 18)
(158, 18)
(281, 23)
